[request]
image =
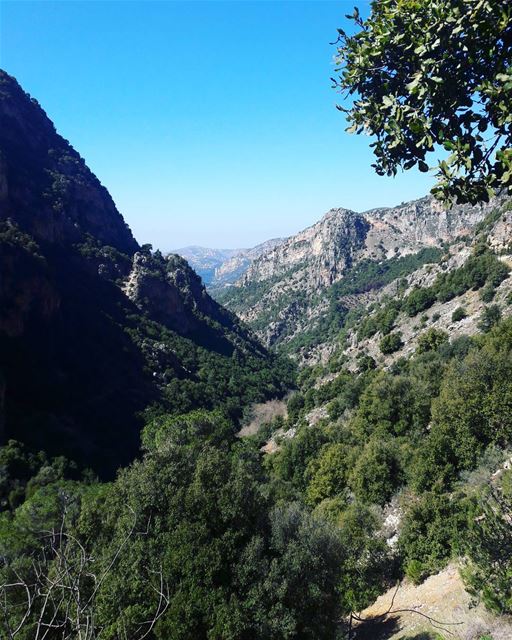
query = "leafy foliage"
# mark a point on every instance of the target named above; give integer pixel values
(430, 532)
(436, 74)
(431, 340)
(415, 431)
(489, 549)
(193, 522)
(64, 402)
(391, 343)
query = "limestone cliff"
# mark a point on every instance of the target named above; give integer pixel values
(220, 268)
(285, 292)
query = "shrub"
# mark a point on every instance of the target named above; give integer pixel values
(430, 533)
(391, 343)
(376, 475)
(365, 363)
(328, 473)
(431, 340)
(459, 314)
(295, 406)
(415, 571)
(366, 567)
(489, 318)
(488, 545)
(418, 300)
(487, 293)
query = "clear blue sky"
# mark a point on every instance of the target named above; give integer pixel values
(210, 123)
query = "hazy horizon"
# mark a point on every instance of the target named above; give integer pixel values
(210, 123)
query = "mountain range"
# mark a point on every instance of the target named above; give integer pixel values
(341, 424)
(297, 295)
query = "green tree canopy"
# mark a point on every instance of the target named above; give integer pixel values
(427, 75)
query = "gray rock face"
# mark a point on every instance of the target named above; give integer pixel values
(219, 268)
(321, 253)
(421, 223)
(284, 291)
(157, 294)
(234, 268)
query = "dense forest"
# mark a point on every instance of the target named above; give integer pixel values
(207, 537)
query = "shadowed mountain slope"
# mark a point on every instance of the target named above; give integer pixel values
(93, 328)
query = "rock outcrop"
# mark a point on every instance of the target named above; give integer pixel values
(220, 268)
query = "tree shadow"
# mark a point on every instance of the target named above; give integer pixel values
(377, 629)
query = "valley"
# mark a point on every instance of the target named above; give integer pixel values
(95, 329)
(307, 439)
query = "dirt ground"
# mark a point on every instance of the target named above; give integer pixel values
(442, 597)
(261, 413)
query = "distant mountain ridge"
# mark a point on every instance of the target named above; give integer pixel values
(205, 261)
(219, 268)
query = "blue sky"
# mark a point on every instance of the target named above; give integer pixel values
(210, 123)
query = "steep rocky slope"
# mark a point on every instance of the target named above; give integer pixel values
(235, 267)
(93, 328)
(299, 287)
(220, 268)
(456, 312)
(205, 261)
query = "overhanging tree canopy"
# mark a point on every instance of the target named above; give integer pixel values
(431, 74)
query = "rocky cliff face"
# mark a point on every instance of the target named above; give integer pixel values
(93, 328)
(236, 266)
(342, 236)
(319, 254)
(285, 291)
(220, 268)
(414, 225)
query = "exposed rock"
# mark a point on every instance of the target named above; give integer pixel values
(220, 268)
(234, 268)
(156, 292)
(284, 293)
(318, 255)
(274, 443)
(315, 415)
